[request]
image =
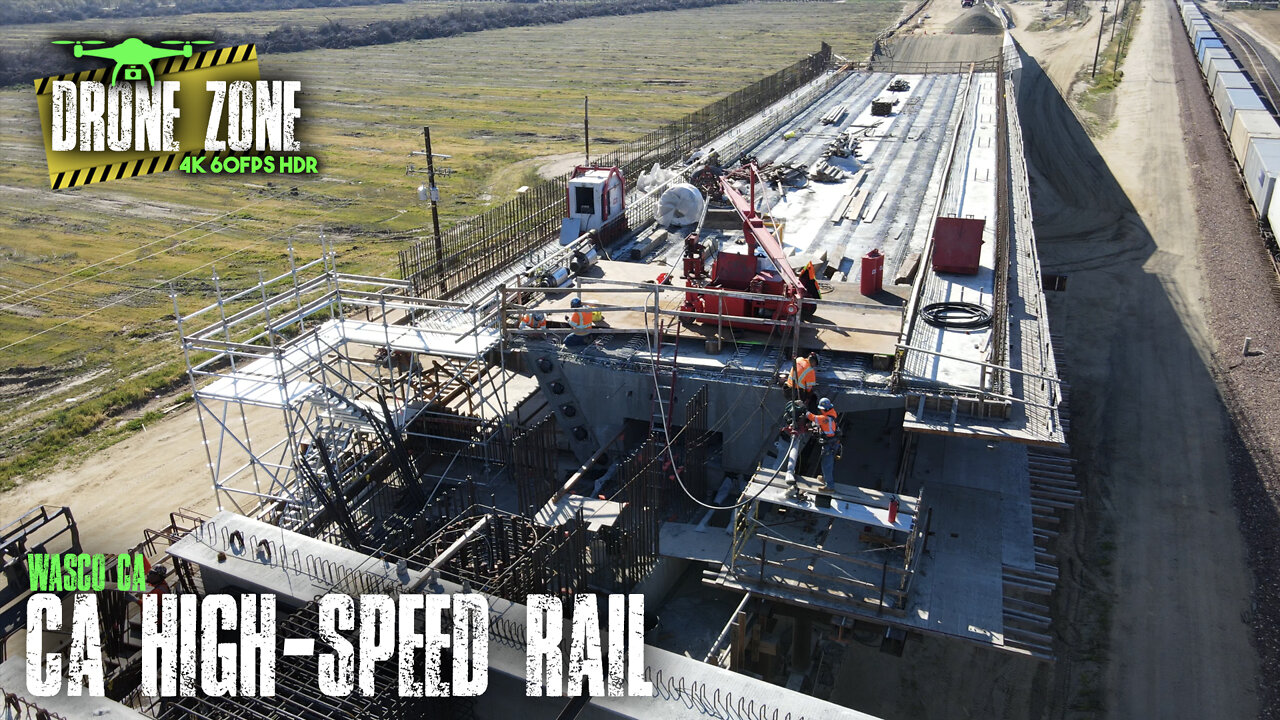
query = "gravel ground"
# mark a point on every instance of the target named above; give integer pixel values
(1242, 302)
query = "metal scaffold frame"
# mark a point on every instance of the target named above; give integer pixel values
(366, 378)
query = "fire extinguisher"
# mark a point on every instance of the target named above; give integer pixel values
(893, 510)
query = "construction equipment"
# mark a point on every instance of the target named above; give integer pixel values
(595, 200)
(743, 272)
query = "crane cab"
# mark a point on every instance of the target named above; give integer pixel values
(596, 199)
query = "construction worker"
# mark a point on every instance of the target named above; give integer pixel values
(581, 320)
(533, 321)
(824, 422)
(803, 378)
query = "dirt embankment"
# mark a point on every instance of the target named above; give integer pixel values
(1156, 594)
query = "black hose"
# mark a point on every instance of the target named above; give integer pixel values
(956, 315)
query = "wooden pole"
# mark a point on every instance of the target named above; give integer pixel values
(435, 214)
(1102, 25)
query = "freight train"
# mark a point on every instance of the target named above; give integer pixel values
(1245, 114)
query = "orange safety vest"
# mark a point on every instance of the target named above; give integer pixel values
(802, 374)
(581, 321)
(826, 422)
(529, 321)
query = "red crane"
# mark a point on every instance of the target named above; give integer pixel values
(736, 271)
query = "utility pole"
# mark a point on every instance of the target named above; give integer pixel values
(1115, 69)
(1128, 25)
(1115, 17)
(435, 213)
(586, 130)
(1102, 25)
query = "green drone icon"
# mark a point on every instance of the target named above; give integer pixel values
(133, 54)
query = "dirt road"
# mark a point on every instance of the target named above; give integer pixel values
(116, 493)
(1149, 426)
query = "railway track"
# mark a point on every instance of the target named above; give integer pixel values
(1249, 56)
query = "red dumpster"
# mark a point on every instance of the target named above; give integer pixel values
(872, 273)
(957, 245)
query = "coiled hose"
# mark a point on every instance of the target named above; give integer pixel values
(956, 315)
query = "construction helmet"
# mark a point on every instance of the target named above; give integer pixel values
(825, 404)
(576, 302)
(539, 317)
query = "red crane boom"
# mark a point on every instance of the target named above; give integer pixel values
(758, 235)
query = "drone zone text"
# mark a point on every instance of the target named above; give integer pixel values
(132, 116)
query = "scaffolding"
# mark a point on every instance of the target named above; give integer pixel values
(319, 390)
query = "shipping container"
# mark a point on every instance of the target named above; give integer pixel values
(1229, 100)
(1218, 61)
(1205, 37)
(1206, 47)
(1232, 81)
(1248, 125)
(1191, 15)
(1261, 166)
(1273, 210)
(1196, 26)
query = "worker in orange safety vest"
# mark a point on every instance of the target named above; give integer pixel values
(803, 378)
(581, 320)
(825, 422)
(533, 321)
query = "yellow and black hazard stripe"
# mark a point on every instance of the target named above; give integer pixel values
(43, 85)
(208, 58)
(117, 171)
(157, 163)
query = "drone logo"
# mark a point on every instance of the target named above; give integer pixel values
(133, 54)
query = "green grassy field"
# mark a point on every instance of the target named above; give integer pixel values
(86, 327)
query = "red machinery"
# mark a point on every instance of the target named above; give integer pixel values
(742, 272)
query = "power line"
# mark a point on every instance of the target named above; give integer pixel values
(162, 283)
(8, 298)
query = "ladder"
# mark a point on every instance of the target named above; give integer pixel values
(663, 398)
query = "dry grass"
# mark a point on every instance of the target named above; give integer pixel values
(493, 99)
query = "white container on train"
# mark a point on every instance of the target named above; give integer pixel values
(1196, 25)
(1207, 46)
(1229, 100)
(1189, 13)
(1251, 125)
(1206, 38)
(1232, 81)
(1273, 209)
(1218, 61)
(1261, 167)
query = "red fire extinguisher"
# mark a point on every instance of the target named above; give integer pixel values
(893, 510)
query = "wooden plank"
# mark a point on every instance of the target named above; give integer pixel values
(873, 206)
